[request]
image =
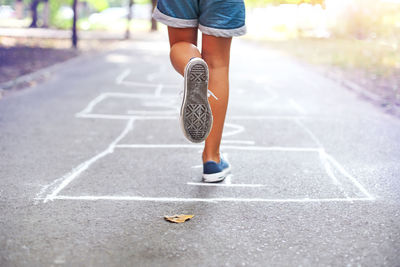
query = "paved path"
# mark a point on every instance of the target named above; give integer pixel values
(92, 159)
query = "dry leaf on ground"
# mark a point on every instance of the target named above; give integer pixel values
(178, 218)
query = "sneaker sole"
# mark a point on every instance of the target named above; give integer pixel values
(196, 115)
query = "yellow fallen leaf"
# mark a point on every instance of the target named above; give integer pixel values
(178, 218)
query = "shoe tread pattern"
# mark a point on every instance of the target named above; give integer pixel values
(197, 120)
(197, 115)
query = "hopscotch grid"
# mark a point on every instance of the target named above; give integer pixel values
(327, 160)
(77, 171)
(69, 177)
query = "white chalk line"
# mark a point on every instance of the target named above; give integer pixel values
(225, 185)
(309, 132)
(323, 158)
(137, 95)
(152, 76)
(147, 84)
(128, 117)
(89, 108)
(212, 200)
(297, 107)
(124, 117)
(69, 177)
(250, 148)
(158, 90)
(151, 112)
(197, 166)
(244, 142)
(121, 77)
(236, 129)
(270, 117)
(93, 103)
(272, 93)
(42, 191)
(228, 179)
(346, 174)
(328, 157)
(329, 171)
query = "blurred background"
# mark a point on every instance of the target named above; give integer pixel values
(353, 41)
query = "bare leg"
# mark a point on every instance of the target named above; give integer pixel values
(183, 47)
(216, 52)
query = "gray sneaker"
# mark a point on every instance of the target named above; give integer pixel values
(196, 117)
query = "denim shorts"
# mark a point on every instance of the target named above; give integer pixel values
(220, 18)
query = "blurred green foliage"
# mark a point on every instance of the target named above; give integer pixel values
(369, 19)
(99, 5)
(57, 21)
(96, 5)
(373, 57)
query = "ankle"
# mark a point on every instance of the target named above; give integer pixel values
(211, 157)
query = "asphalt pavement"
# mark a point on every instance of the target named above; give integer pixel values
(93, 158)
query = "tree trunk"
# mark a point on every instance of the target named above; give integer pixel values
(34, 5)
(129, 18)
(74, 30)
(46, 14)
(19, 9)
(153, 21)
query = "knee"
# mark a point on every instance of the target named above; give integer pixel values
(183, 48)
(178, 45)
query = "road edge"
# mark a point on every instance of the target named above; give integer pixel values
(42, 74)
(39, 74)
(361, 92)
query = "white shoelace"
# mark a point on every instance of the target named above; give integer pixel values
(209, 93)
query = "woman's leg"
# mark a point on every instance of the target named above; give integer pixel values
(216, 52)
(183, 43)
